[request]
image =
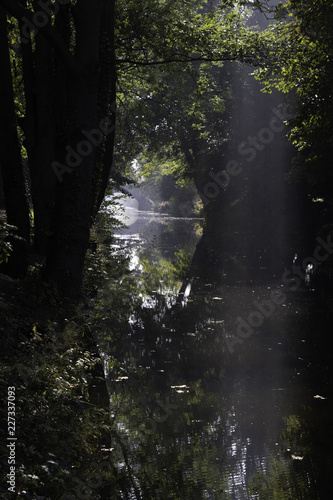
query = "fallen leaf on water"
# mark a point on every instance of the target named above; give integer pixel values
(295, 457)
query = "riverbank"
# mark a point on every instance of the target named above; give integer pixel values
(55, 411)
(59, 413)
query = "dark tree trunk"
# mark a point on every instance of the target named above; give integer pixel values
(17, 207)
(106, 99)
(72, 219)
(69, 99)
(43, 179)
(2, 196)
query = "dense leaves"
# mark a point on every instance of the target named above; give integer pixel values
(300, 63)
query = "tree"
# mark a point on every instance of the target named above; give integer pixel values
(10, 158)
(67, 54)
(300, 62)
(67, 61)
(200, 122)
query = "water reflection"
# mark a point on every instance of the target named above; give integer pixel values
(192, 419)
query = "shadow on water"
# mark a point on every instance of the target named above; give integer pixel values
(220, 385)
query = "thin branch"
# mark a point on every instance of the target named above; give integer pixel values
(186, 59)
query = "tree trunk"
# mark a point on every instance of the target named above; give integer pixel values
(106, 99)
(43, 179)
(68, 124)
(72, 221)
(17, 207)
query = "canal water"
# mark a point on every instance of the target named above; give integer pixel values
(220, 388)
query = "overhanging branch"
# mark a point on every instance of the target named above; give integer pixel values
(187, 59)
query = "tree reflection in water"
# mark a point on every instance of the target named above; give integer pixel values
(190, 419)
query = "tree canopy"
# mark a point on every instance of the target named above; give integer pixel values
(299, 62)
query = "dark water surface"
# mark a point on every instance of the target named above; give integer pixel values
(204, 405)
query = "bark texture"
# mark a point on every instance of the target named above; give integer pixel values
(13, 180)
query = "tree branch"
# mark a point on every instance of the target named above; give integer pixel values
(187, 59)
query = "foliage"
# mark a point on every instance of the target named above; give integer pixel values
(5, 246)
(49, 353)
(184, 120)
(171, 86)
(59, 429)
(300, 63)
